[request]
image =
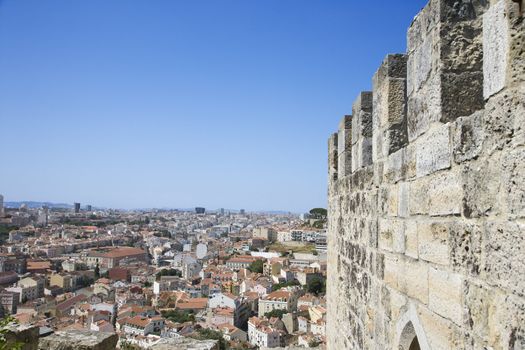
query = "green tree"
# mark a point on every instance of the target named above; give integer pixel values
(256, 266)
(206, 333)
(316, 285)
(319, 213)
(276, 313)
(8, 344)
(97, 272)
(285, 284)
(179, 316)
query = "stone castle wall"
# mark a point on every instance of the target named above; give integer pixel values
(427, 189)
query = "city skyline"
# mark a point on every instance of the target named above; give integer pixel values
(183, 104)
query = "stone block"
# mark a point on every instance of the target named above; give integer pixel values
(418, 197)
(433, 151)
(424, 107)
(344, 164)
(385, 235)
(355, 158)
(364, 103)
(395, 167)
(445, 194)
(423, 24)
(410, 161)
(377, 146)
(398, 304)
(461, 95)
(185, 343)
(494, 317)
(419, 63)
(503, 245)
(516, 56)
(504, 120)
(482, 187)
(433, 242)
(468, 136)
(333, 158)
(389, 112)
(79, 340)
(465, 247)
(414, 280)
(365, 152)
(344, 139)
(444, 74)
(392, 200)
(446, 294)
(24, 335)
(403, 200)
(393, 66)
(393, 270)
(495, 48)
(411, 239)
(513, 181)
(391, 235)
(395, 138)
(440, 332)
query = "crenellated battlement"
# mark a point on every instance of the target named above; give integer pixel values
(427, 192)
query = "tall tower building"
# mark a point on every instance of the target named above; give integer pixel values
(77, 208)
(1, 205)
(200, 210)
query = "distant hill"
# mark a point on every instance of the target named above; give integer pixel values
(36, 205)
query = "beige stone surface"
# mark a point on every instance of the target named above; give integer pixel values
(431, 215)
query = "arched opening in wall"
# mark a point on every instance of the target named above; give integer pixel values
(408, 340)
(414, 345)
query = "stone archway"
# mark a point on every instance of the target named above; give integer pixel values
(410, 332)
(408, 339)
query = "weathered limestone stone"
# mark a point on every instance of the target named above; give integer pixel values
(482, 187)
(444, 70)
(333, 157)
(395, 166)
(79, 340)
(411, 239)
(433, 151)
(344, 148)
(413, 280)
(502, 255)
(445, 294)
(504, 120)
(403, 200)
(433, 242)
(513, 165)
(27, 336)
(467, 137)
(393, 270)
(184, 343)
(418, 197)
(389, 112)
(516, 56)
(465, 247)
(440, 332)
(428, 240)
(495, 48)
(362, 131)
(445, 193)
(392, 235)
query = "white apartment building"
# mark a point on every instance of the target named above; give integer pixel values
(262, 335)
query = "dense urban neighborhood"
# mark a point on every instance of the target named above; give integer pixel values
(243, 280)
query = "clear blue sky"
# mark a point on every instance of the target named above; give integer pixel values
(171, 103)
